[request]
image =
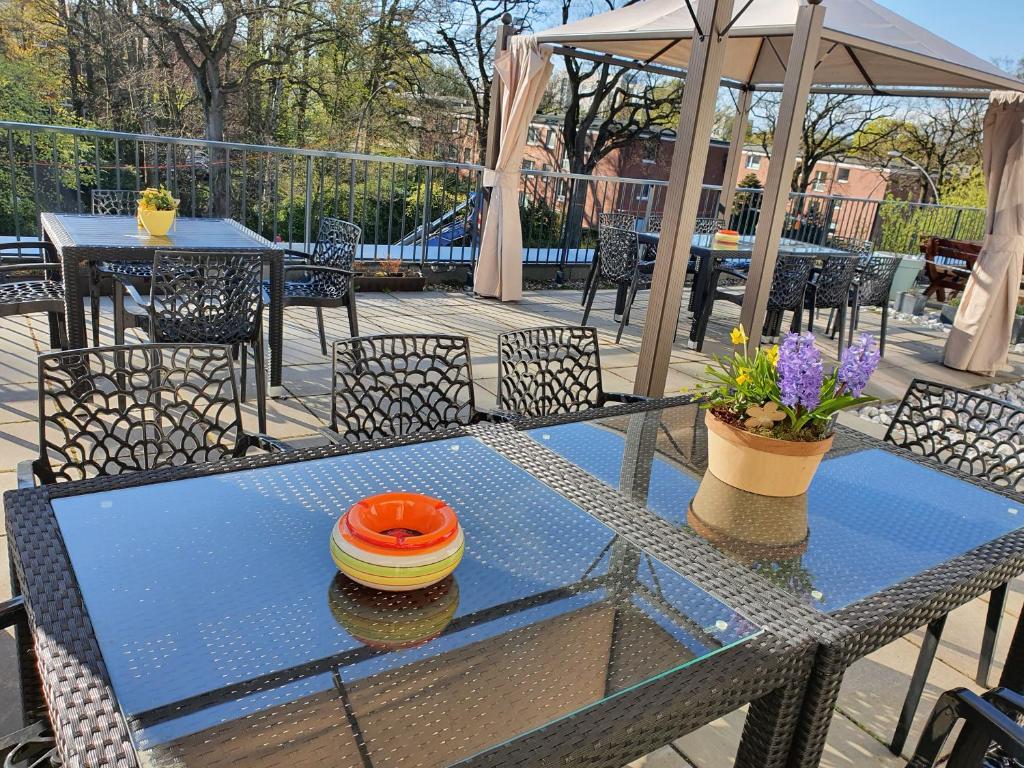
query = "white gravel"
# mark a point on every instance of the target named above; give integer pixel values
(1011, 392)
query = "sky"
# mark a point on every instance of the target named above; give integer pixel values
(987, 28)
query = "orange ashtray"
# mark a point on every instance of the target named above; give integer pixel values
(402, 521)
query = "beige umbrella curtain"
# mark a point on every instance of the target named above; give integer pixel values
(980, 338)
(524, 70)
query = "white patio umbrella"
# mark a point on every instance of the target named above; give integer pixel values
(792, 46)
(980, 338)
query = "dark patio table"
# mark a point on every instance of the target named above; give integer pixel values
(708, 254)
(81, 238)
(884, 542)
(193, 616)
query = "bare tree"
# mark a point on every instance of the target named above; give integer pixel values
(831, 125)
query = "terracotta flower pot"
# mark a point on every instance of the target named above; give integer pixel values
(761, 465)
(157, 223)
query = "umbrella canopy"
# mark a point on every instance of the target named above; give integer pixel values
(862, 44)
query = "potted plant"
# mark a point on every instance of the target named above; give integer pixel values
(388, 275)
(157, 210)
(770, 416)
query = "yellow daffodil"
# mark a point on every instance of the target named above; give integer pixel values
(744, 377)
(738, 336)
(773, 355)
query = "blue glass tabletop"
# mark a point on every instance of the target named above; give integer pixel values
(227, 630)
(870, 519)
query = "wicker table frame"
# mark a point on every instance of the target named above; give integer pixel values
(852, 633)
(769, 671)
(72, 255)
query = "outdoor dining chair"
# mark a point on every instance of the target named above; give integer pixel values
(991, 736)
(829, 288)
(324, 279)
(111, 410)
(620, 254)
(32, 744)
(397, 385)
(979, 436)
(871, 285)
(202, 297)
(618, 220)
(789, 284)
(552, 370)
(30, 284)
(113, 202)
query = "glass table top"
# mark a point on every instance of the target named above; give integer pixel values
(228, 632)
(96, 230)
(870, 519)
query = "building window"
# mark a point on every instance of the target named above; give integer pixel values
(843, 175)
(533, 135)
(529, 165)
(643, 191)
(550, 138)
(820, 177)
(651, 151)
(560, 188)
(753, 162)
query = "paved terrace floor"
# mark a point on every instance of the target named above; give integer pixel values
(874, 687)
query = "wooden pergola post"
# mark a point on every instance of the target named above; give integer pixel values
(682, 199)
(803, 57)
(736, 143)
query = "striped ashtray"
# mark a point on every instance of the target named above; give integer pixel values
(727, 237)
(397, 542)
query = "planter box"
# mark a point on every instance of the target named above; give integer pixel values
(910, 304)
(400, 282)
(906, 274)
(1017, 336)
(948, 313)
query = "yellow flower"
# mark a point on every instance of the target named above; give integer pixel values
(744, 377)
(738, 336)
(773, 355)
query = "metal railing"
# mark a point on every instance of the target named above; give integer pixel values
(414, 210)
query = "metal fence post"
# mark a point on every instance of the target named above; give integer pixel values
(956, 223)
(307, 219)
(427, 212)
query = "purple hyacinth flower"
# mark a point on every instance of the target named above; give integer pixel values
(858, 363)
(800, 371)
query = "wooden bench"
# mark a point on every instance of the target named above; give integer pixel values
(948, 264)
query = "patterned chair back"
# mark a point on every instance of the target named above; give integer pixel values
(337, 243)
(206, 297)
(620, 249)
(874, 279)
(617, 219)
(115, 202)
(789, 282)
(863, 248)
(707, 226)
(973, 433)
(653, 223)
(109, 410)
(832, 286)
(548, 371)
(396, 385)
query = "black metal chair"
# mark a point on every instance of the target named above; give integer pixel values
(620, 254)
(871, 289)
(27, 285)
(202, 297)
(113, 202)
(552, 370)
(110, 410)
(991, 737)
(32, 744)
(979, 436)
(327, 280)
(829, 288)
(618, 220)
(789, 284)
(398, 385)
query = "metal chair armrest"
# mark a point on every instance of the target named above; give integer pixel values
(494, 416)
(731, 273)
(29, 266)
(317, 268)
(44, 245)
(26, 474)
(134, 294)
(332, 437)
(295, 253)
(12, 612)
(266, 442)
(623, 397)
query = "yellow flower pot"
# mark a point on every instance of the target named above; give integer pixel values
(157, 223)
(761, 465)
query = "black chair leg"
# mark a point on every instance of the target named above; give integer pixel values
(259, 363)
(882, 330)
(932, 636)
(53, 318)
(243, 366)
(353, 322)
(996, 604)
(94, 303)
(841, 332)
(624, 320)
(829, 330)
(590, 302)
(323, 333)
(591, 276)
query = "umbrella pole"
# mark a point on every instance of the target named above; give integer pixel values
(682, 198)
(736, 143)
(803, 56)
